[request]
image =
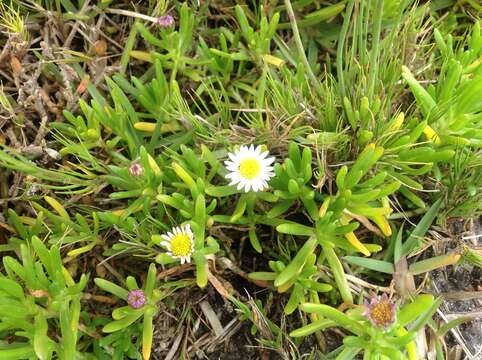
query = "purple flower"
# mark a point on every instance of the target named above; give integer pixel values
(381, 311)
(136, 169)
(136, 299)
(165, 21)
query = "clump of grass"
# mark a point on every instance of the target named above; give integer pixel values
(12, 22)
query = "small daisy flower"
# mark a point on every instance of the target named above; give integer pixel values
(136, 169)
(381, 311)
(180, 243)
(136, 299)
(165, 21)
(249, 168)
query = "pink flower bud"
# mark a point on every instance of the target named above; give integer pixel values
(165, 21)
(136, 169)
(136, 299)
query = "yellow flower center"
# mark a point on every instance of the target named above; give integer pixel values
(181, 245)
(249, 168)
(382, 313)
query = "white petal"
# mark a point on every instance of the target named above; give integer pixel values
(268, 161)
(257, 186)
(264, 154)
(236, 178)
(233, 168)
(232, 165)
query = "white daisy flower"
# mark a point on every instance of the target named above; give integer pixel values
(180, 243)
(249, 168)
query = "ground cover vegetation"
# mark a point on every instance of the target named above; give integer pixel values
(239, 179)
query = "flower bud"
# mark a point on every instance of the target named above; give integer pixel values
(165, 21)
(136, 169)
(136, 299)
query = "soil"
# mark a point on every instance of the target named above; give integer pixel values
(462, 288)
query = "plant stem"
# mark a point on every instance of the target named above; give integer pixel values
(132, 14)
(341, 45)
(299, 45)
(375, 52)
